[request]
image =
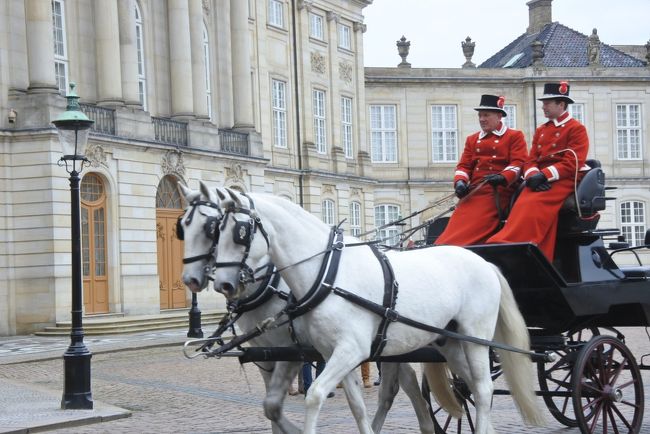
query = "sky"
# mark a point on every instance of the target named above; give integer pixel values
(437, 27)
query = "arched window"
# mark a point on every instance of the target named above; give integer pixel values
(168, 195)
(206, 58)
(633, 222)
(327, 211)
(139, 40)
(60, 45)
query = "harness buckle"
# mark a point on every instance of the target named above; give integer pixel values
(391, 314)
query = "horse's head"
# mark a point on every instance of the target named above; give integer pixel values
(242, 247)
(199, 228)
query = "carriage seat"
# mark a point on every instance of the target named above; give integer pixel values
(640, 272)
(590, 195)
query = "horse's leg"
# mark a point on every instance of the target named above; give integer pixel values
(480, 384)
(354, 396)
(343, 360)
(276, 391)
(388, 388)
(409, 382)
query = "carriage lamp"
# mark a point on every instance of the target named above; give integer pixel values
(73, 127)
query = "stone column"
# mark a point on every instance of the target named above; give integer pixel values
(107, 53)
(128, 53)
(199, 87)
(180, 59)
(40, 43)
(241, 65)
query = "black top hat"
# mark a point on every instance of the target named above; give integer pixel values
(492, 103)
(557, 91)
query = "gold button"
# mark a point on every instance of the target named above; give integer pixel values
(490, 167)
(496, 141)
(553, 145)
(539, 146)
(478, 149)
(478, 141)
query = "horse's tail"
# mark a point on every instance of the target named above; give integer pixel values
(437, 376)
(511, 330)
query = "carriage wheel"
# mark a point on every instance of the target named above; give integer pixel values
(442, 421)
(607, 388)
(555, 380)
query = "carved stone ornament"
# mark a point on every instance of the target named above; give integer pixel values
(468, 52)
(302, 4)
(172, 163)
(345, 72)
(333, 16)
(328, 189)
(593, 48)
(538, 52)
(354, 191)
(96, 155)
(359, 27)
(206, 6)
(317, 62)
(235, 174)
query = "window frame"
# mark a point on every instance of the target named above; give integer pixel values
(573, 111)
(61, 62)
(510, 121)
(319, 108)
(345, 36)
(316, 26)
(276, 14)
(391, 212)
(206, 61)
(355, 218)
(628, 151)
(447, 156)
(142, 69)
(328, 212)
(279, 113)
(382, 132)
(347, 136)
(635, 228)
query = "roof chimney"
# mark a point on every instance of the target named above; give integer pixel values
(539, 15)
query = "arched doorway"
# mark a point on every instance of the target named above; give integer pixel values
(169, 205)
(93, 244)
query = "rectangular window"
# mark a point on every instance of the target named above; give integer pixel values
(279, 101)
(206, 60)
(60, 46)
(139, 42)
(346, 126)
(276, 13)
(355, 219)
(577, 112)
(510, 121)
(383, 133)
(444, 133)
(628, 131)
(385, 214)
(328, 211)
(320, 129)
(633, 220)
(345, 37)
(316, 26)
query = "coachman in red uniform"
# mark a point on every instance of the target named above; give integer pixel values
(552, 171)
(495, 155)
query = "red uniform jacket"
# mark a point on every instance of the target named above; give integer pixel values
(559, 147)
(476, 216)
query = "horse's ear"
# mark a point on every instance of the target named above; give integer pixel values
(235, 197)
(220, 194)
(205, 191)
(190, 195)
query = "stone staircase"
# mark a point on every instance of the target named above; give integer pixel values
(111, 324)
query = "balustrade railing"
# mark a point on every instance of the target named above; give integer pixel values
(104, 118)
(170, 131)
(233, 142)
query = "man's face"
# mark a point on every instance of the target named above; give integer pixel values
(553, 108)
(489, 120)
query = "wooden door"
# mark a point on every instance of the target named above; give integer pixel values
(169, 206)
(93, 244)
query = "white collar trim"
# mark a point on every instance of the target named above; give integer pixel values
(498, 132)
(564, 121)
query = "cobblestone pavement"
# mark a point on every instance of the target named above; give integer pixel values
(168, 393)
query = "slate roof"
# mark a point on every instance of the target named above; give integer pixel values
(563, 47)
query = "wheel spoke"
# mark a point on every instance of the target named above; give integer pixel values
(612, 419)
(622, 417)
(594, 421)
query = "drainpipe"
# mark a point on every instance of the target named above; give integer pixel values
(297, 102)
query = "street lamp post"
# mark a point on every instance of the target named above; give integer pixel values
(73, 127)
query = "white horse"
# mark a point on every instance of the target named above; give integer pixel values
(279, 375)
(438, 286)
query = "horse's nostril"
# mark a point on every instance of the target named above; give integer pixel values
(227, 288)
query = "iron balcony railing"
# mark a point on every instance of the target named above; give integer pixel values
(104, 118)
(233, 142)
(170, 131)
